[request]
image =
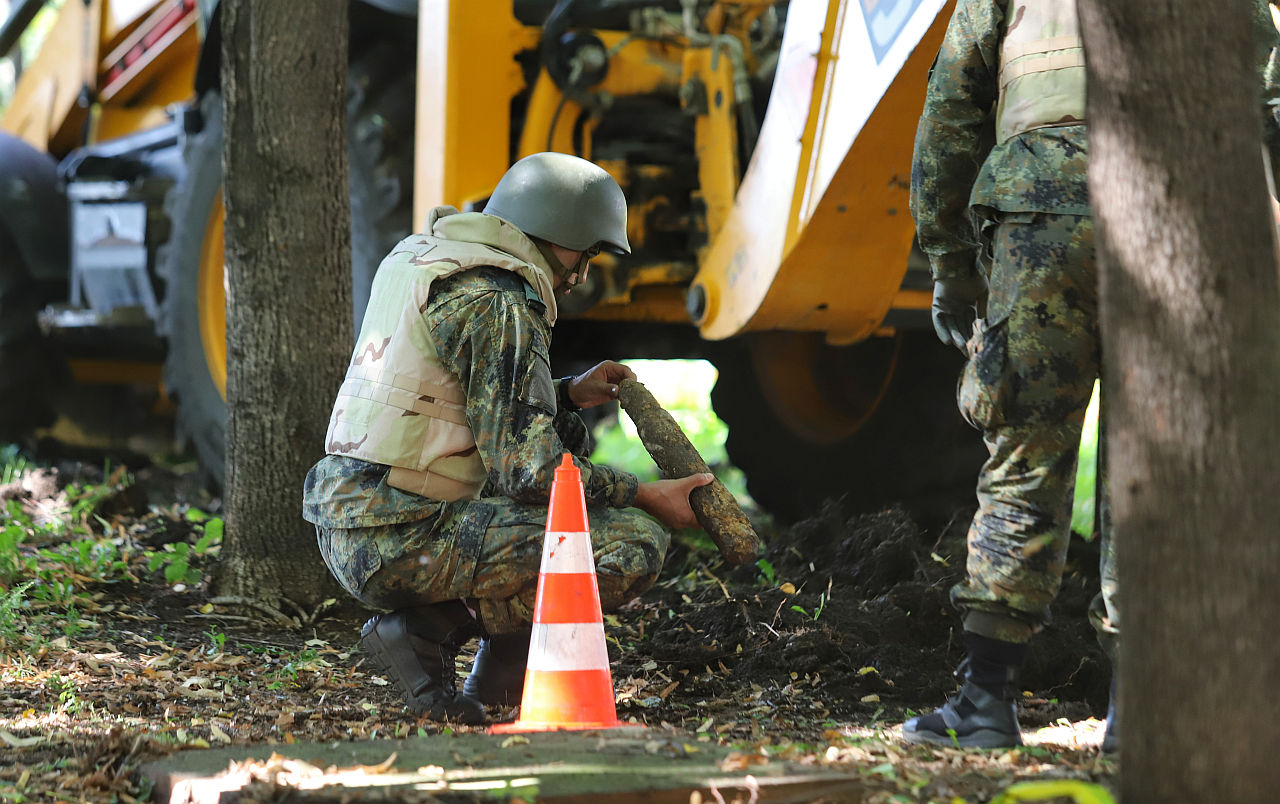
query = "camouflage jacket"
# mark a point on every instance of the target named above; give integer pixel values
(1044, 170)
(495, 340)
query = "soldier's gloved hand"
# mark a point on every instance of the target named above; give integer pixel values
(954, 303)
(599, 384)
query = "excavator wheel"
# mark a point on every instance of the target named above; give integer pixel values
(194, 312)
(380, 135)
(874, 423)
(26, 373)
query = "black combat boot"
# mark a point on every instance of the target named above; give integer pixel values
(497, 677)
(416, 648)
(982, 713)
(1111, 737)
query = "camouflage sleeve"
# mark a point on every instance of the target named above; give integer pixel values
(961, 95)
(497, 346)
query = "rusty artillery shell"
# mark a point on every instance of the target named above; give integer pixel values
(717, 511)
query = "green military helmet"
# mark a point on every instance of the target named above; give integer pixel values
(564, 200)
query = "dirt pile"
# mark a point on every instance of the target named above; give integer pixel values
(851, 612)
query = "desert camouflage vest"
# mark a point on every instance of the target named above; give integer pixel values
(399, 406)
(1041, 68)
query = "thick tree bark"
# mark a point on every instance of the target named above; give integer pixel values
(289, 276)
(1191, 335)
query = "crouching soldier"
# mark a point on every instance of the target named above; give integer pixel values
(431, 503)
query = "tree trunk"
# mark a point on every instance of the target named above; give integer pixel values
(1191, 338)
(289, 275)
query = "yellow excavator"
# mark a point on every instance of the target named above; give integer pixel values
(764, 147)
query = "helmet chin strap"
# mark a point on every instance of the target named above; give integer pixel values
(560, 270)
(579, 268)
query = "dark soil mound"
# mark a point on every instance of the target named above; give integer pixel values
(846, 618)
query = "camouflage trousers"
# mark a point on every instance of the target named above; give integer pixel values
(488, 551)
(1026, 387)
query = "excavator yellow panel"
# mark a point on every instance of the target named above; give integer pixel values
(820, 232)
(463, 118)
(138, 56)
(45, 110)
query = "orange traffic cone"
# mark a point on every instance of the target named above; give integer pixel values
(567, 684)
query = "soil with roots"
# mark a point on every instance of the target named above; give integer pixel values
(854, 611)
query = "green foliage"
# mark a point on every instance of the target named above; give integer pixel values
(84, 500)
(95, 560)
(72, 516)
(12, 464)
(66, 692)
(217, 640)
(14, 564)
(954, 738)
(10, 620)
(52, 576)
(1082, 512)
(817, 611)
(177, 560)
(307, 659)
(53, 555)
(766, 571)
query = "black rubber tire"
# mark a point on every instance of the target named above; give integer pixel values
(202, 412)
(380, 137)
(915, 450)
(27, 360)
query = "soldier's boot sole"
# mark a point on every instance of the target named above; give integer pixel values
(983, 738)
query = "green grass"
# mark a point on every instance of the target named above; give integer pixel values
(1082, 511)
(13, 464)
(54, 560)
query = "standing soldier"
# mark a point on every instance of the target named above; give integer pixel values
(432, 499)
(1000, 197)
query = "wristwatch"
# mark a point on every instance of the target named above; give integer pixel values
(563, 398)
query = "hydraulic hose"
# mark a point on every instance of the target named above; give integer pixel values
(555, 26)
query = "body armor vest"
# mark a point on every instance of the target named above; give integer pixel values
(1042, 79)
(399, 405)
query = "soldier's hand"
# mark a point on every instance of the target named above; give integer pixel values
(599, 385)
(954, 303)
(668, 500)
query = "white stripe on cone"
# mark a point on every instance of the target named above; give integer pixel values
(568, 646)
(567, 553)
